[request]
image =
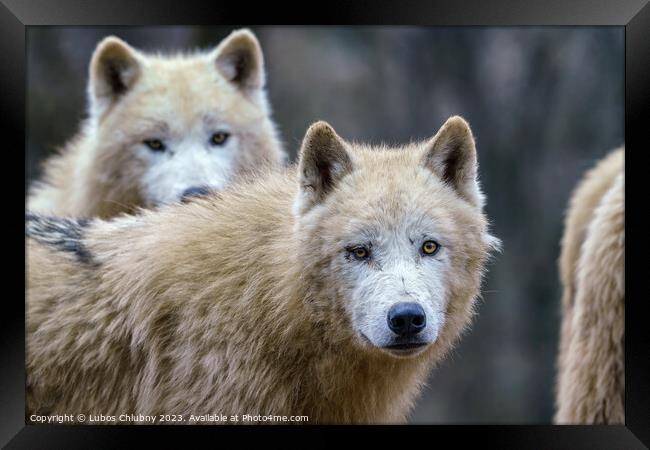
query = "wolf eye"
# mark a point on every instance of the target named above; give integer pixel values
(360, 253)
(155, 145)
(219, 138)
(430, 247)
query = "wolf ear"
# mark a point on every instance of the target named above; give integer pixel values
(114, 68)
(324, 160)
(451, 155)
(239, 59)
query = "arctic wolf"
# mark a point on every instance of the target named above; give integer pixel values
(591, 367)
(161, 128)
(327, 290)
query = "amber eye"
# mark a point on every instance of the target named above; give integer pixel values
(219, 138)
(360, 253)
(429, 247)
(155, 145)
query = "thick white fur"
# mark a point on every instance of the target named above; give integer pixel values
(249, 303)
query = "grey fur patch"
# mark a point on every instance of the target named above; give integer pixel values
(61, 233)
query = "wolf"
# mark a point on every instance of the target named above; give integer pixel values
(162, 128)
(327, 289)
(590, 384)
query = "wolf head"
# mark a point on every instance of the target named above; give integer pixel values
(169, 126)
(395, 239)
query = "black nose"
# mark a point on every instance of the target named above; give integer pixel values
(406, 319)
(197, 191)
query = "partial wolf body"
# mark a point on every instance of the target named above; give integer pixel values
(328, 290)
(161, 127)
(591, 378)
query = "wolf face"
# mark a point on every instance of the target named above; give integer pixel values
(399, 236)
(169, 126)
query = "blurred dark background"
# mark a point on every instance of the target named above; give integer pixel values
(544, 105)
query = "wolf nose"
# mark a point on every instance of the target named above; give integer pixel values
(196, 191)
(406, 319)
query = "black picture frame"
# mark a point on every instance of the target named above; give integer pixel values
(634, 15)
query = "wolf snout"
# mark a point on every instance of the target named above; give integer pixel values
(406, 319)
(195, 191)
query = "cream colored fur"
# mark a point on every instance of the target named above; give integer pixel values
(106, 169)
(236, 304)
(591, 376)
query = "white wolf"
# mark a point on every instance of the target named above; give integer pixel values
(161, 128)
(327, 290)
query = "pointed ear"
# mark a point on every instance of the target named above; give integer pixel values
(451, 155)
(239, 59)
(114, 68)
(324, 160)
